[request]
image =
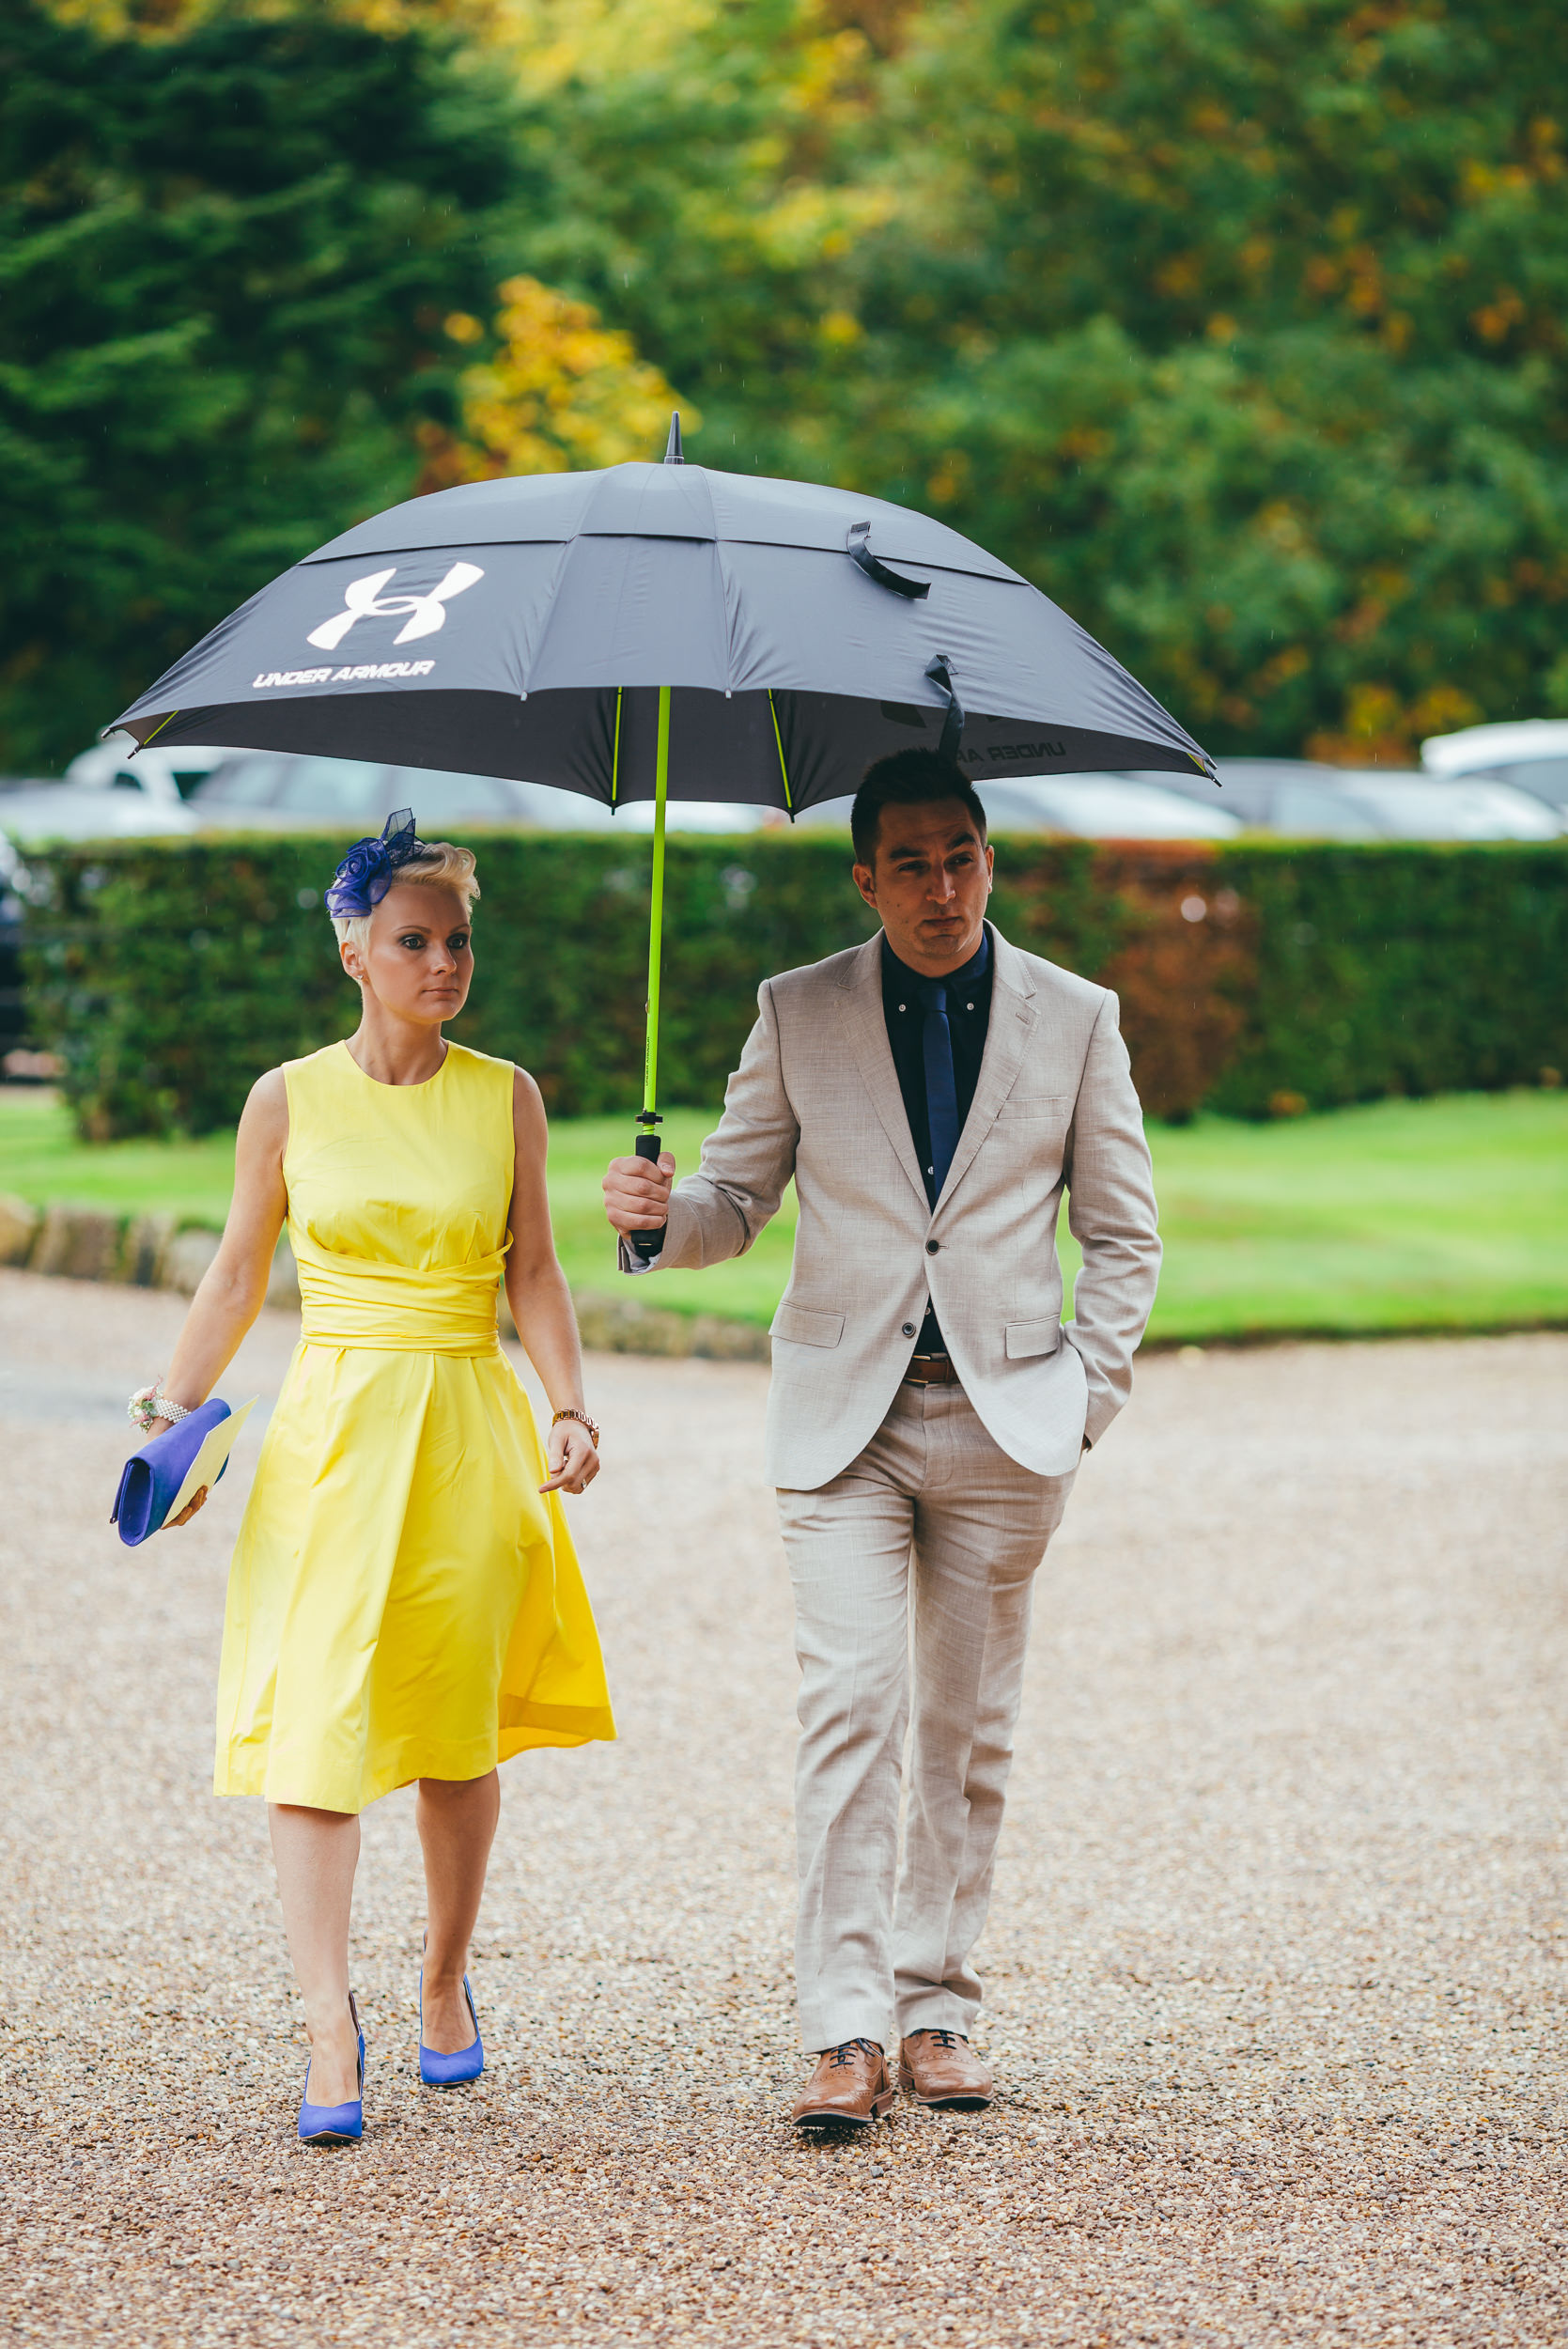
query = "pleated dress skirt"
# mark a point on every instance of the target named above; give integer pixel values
(403, 1602)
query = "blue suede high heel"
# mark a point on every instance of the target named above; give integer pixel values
(335, 2125)
(449, 2071)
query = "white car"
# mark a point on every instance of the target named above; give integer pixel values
(1413, 806)
(1300, 799)
(284, 791)
(157, 774)
(1104, 807)
(1089, 806)
(108, 795)
(1531, 754)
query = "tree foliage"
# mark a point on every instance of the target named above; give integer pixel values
(223, 267)
(1237, 325)
(558, 393)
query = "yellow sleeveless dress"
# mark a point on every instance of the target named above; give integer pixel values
(403, 1602)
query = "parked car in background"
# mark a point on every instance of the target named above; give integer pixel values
(107, 794)
(1295, 799)
(1414, 806)
(272, 791)
(104, 794)
(1300, 799)
(275, 791)
(1531, 755)
(1106, 807)
(69, 811)
(1295, 796)
(1088, 806)
(169, 775)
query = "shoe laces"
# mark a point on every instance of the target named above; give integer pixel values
(947, 2040)
(844, 2053)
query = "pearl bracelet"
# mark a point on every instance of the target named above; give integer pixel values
(146, 1405)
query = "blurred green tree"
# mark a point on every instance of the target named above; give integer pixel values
(225, 261)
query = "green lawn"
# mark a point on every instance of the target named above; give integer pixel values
(1399, 1214)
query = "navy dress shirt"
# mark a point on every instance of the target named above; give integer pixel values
(969, 1016)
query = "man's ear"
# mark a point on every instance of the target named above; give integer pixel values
(865, 882)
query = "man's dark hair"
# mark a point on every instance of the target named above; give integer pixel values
(908, 779)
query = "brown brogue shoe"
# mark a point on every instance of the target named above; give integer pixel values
(850, 2087)
(940, 2068)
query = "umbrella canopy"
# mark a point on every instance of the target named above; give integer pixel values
(526, 627)
(654, 630)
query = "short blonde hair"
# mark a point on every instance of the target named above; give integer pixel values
(438, 862)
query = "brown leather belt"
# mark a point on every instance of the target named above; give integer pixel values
(931, 1370)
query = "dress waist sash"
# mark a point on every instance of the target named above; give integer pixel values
(392, 1309)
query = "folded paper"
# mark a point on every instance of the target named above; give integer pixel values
(157, 1482)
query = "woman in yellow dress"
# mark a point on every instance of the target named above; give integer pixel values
(404, 1602)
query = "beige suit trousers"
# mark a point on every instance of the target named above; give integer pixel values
(933, 1522)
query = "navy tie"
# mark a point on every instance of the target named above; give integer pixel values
(941, 1091)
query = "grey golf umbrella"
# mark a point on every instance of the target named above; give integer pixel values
(662, 629)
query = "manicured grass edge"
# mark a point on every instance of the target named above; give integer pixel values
(170, 1252)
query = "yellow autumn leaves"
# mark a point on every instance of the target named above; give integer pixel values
(561, 393)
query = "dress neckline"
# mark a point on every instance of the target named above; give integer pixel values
(425, 1083)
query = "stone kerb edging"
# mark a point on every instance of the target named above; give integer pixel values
(153, 1251)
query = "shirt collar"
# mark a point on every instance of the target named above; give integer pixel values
(977, 967)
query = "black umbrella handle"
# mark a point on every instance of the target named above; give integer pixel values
(648, 1243)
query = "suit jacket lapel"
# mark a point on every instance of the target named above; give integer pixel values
(1012, 1024)
(865, 1030)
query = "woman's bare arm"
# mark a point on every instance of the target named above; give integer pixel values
(539, 1298)
(234, 1286)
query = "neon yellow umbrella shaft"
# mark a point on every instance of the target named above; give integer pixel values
(648, 1117)
(656, 910)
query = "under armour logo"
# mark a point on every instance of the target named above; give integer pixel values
(362, 599)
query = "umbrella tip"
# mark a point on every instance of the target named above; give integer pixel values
(671, 447)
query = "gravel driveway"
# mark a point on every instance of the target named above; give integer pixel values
(1274, 1965)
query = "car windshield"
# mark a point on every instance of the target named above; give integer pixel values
(436, 798)
(1308, 810)
(1104, 807)
(1469, 808)
(334, 786)
(243, 782)
(1547, 777)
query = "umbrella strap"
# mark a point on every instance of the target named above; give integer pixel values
(874, 566)
(939, 670)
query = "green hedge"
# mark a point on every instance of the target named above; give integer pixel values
(169, 974)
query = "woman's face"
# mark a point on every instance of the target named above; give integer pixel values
(419, 961)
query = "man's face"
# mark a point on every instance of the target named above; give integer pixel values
(929, 878)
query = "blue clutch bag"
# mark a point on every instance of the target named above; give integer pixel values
(152, 1477)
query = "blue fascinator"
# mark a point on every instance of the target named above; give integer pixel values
(370, 867)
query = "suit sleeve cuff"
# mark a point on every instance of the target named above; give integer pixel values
(632, 1255)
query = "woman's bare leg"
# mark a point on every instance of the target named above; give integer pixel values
(316, 1852)
(456, 1826)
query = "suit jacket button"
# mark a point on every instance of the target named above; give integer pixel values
(909, 1328)
(932, 1246)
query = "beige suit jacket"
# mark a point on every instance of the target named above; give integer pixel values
(816, 1097)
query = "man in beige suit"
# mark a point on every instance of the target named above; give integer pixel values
(933, 1093)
